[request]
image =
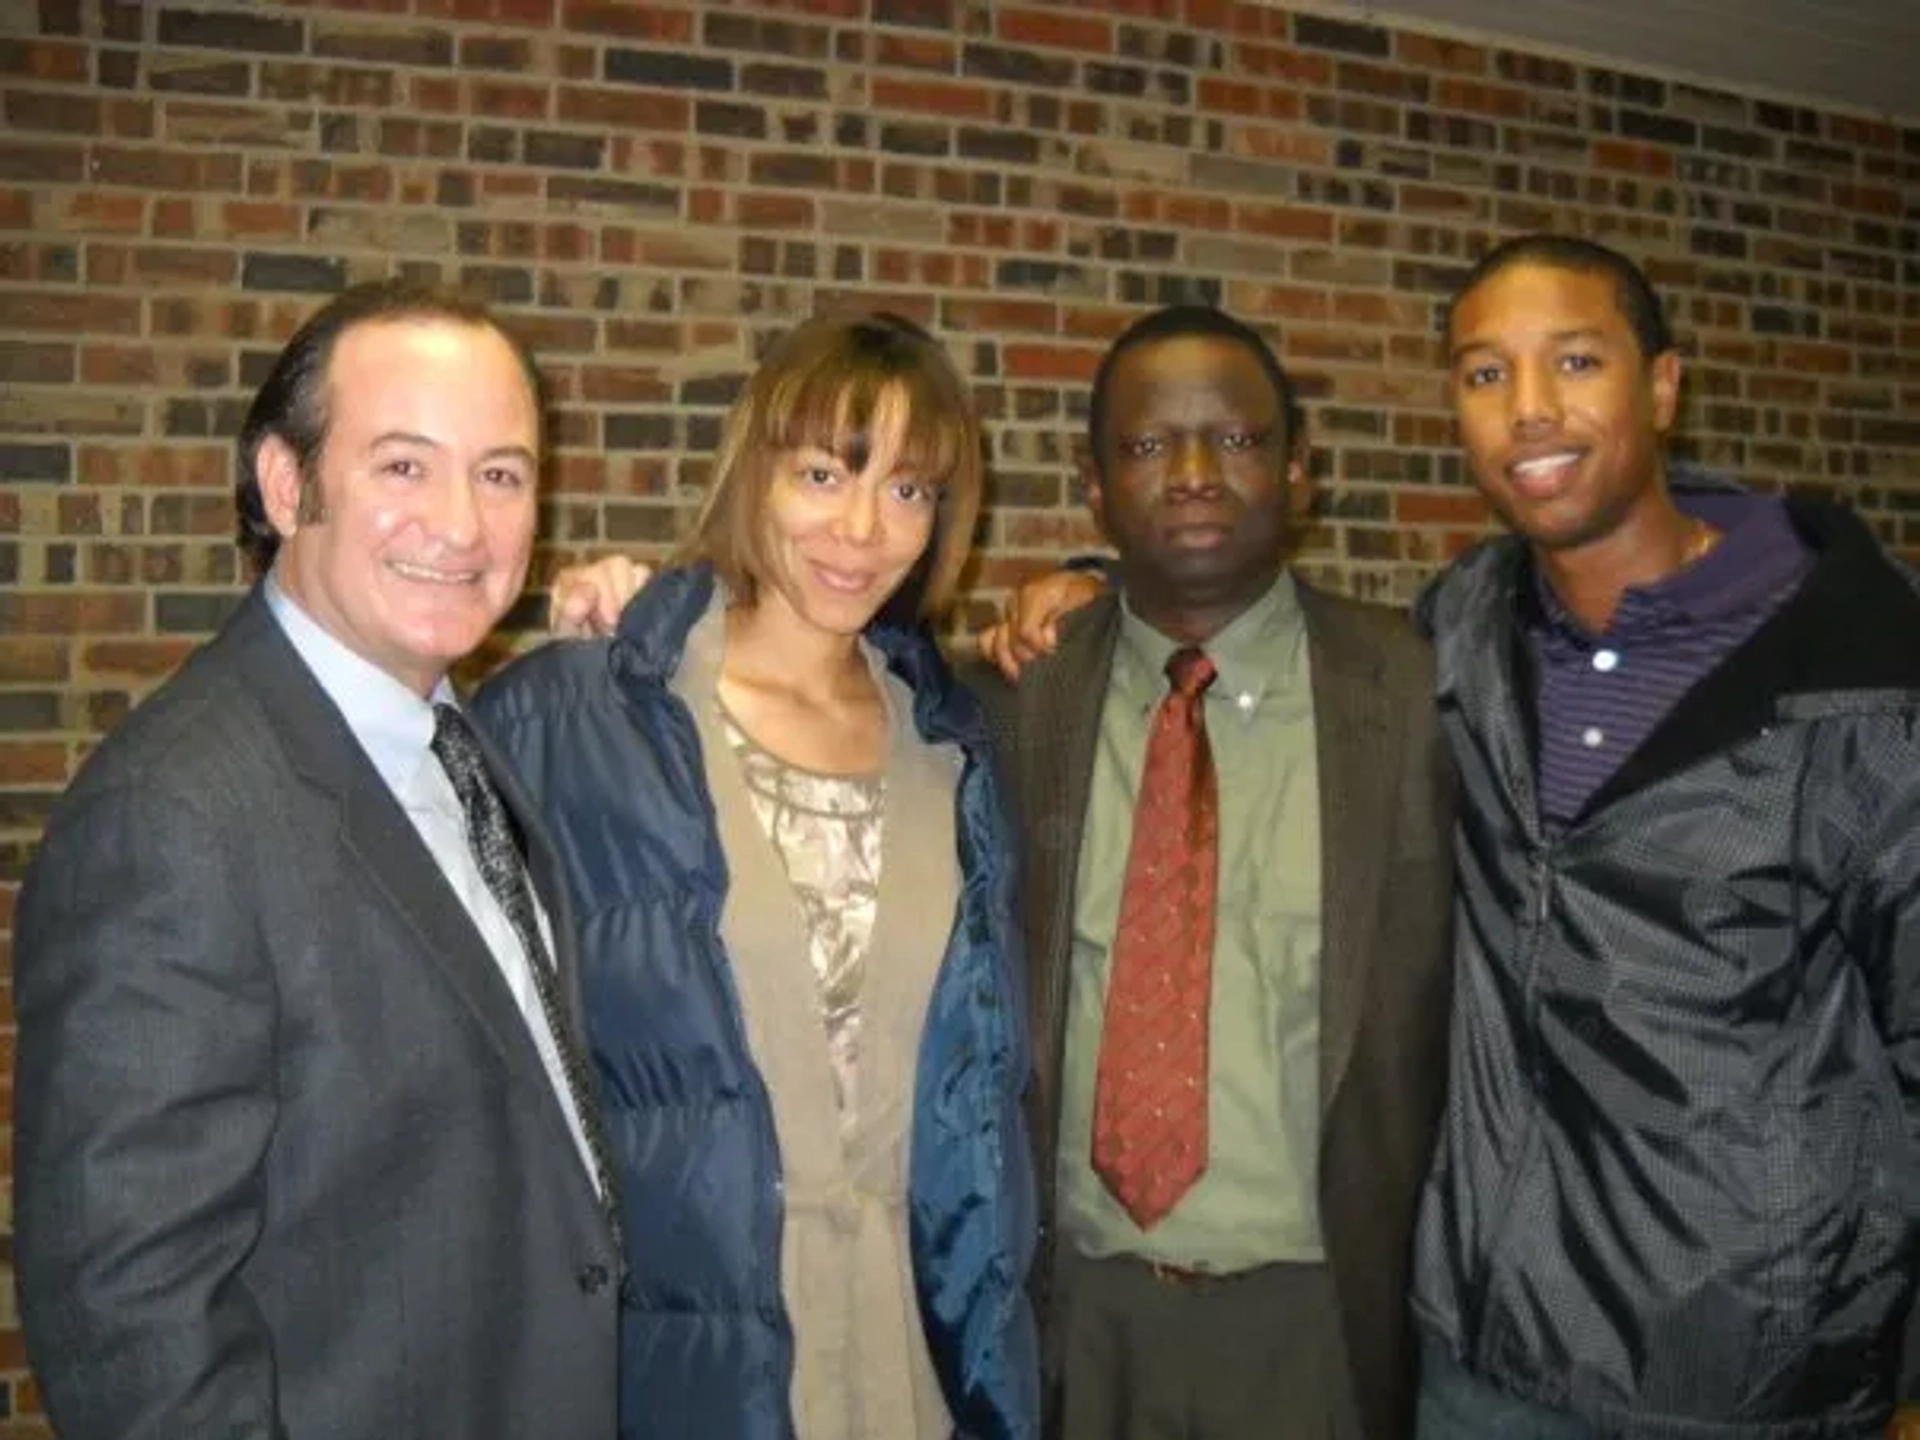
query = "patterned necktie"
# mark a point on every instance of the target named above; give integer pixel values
(496, 850)
(1150, 1091)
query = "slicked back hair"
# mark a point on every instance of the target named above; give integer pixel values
(292, 402)
(1192, 321)
(1632, 291)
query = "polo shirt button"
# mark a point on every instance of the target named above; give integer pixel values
(1606, 660)
(1593, 737)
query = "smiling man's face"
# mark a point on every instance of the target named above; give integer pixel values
(1560, 414)
(415, 537)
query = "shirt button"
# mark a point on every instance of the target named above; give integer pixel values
(1593, 737)
(1605, 660)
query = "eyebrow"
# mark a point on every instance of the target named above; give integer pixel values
(409, 437)
(1558, 337)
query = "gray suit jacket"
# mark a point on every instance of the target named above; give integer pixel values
(1386, 814)
(288, 1164)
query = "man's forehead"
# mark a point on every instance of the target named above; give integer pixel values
(1193, 364)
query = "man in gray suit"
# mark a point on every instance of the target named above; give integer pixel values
(1270, 1299)
(304, 1145)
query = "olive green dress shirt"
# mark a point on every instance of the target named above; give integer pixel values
(1256, 1202)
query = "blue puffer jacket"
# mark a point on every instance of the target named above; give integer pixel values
(707, 1350)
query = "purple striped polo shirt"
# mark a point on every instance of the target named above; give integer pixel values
(1599, 696)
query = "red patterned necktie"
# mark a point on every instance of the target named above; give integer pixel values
(1150, 1094)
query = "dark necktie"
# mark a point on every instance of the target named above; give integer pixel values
(1150, 1090)
(496, 850)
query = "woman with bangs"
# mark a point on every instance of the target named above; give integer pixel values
(799, 961)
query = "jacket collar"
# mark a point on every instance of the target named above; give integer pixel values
(652, 636)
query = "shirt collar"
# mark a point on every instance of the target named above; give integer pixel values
(393, 725)
(1250, 654)
(1759, 553)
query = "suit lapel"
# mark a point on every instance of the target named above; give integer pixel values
(1059, 723)
(397, 867)
(1356, 725)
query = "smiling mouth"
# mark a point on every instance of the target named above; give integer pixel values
(843, 582)
(1544, 476)
(428, 575)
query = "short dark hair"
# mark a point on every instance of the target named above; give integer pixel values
(1180, 322)
(1632, 291)
(292, 402)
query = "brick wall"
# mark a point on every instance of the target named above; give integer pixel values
(654, 189)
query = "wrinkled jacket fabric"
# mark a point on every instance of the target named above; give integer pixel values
(707, 1348)
(1678, 1181)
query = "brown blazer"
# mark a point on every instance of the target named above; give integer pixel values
(1386, 816)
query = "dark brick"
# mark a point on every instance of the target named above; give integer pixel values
(1007, 147)
(714, 390)
(426, 49)
(1017, 67)
(723, 117)
(304, 274)
(1316, 32)
(1169, 47)
(563, 150)
(120, 70)
(496, 52)
(186, 613)
(851, 132)
(1750, 144)
(787, 81)
(726, 31)
(453, 189)
(1156, 288)
(1834, 159)
(1724, 244)
(1634, 89)
(493, 144)
(1788, 119)
(668, 71)
(1423, 277)
(59, 563)
(25, 710)
(61, 163)
(501, 284)
(906, 138)
(924, 14)
(203, 419)
(38, 464)
(1780, 320)
(800, 129)
(226, 30)
(1102, 78)
(634, 522)
(640, 431)
(793, 171)
(1642, 125)
(628, 193)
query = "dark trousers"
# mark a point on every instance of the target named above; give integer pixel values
(1456, 1404)
(1134, 1354)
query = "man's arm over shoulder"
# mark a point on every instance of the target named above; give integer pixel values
(144, 1103)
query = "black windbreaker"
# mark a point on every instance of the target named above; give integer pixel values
(1678, 1182)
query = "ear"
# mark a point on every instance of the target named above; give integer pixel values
(1095, 492)
(278, 471)
(1664, 380)
(1299, 488)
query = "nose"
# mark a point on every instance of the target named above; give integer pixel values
(1536, 398)
(1195, 465)
(860, 516)
(454, 512)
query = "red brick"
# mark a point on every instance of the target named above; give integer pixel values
(929, 97)
(24, 763)
(663, 23)
(628, 109)
(51, 310)
(1024, 361)
(1060, 32)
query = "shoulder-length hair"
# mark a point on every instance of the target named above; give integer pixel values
(821, 386)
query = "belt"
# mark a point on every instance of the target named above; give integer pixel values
(1198, 1279)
